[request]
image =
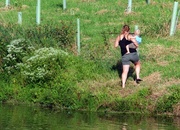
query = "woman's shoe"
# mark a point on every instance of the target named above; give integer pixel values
(138, 81)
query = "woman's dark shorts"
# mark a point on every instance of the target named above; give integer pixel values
(128, 58)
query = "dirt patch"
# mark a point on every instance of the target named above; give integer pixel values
(158, 85)
(5, 8)
(88, 0)
(176, 110)
(157, 94)
(103, 11)
(25, 6)
(8, 8)
(126, 92)
(178, 26)
(171, 82)
(158, 53)
(152, 79)
(162, 63)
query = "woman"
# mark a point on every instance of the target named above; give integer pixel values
(123, 40)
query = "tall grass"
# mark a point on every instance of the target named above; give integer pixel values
(91, 80)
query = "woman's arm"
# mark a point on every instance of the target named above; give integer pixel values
(116, 44)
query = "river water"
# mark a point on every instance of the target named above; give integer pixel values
(21, 117)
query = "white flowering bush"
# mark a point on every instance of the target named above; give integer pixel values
(16, 50)
(43, 65)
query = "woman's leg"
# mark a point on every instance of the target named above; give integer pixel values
(124, 74)
(137, 69)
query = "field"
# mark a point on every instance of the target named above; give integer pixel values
(92, 79)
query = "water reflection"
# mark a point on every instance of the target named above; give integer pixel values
(33, 118)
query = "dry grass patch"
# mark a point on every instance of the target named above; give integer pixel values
(71, 11)
(176, 110)
(170, 82)
(5, 8)
(88, 0)
(158, 86)
(103, 11)
(25, 6)
(152, 79)
(158, 53)
(178, 26)
(112, 87)
(162, 63)
(157, 93)
(8, 8)
(126, 92)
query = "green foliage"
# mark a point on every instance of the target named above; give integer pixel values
(88, 101)
(166, 102)
(16, 50)
(18, 5)
(17, 43)
(134, 103)
(21, 39)
(53, 77)
(43, 65)
(53, 34)
(144, 92)
(7, 34)
(6, 92)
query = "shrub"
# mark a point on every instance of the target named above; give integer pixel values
(7, 34)
(43, 65)
(16, 50)
(17, 42)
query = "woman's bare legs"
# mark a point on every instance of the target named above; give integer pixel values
(137, 69)
(124, 74)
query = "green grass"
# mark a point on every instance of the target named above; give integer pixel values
(94, 74)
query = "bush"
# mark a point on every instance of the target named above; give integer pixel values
(43, 65)
(17, 42)
(8, 33)
(16, 50)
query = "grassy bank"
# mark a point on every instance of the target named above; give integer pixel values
(40, 64)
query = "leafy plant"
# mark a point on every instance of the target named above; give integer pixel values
(43, 65)
(16, 50)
